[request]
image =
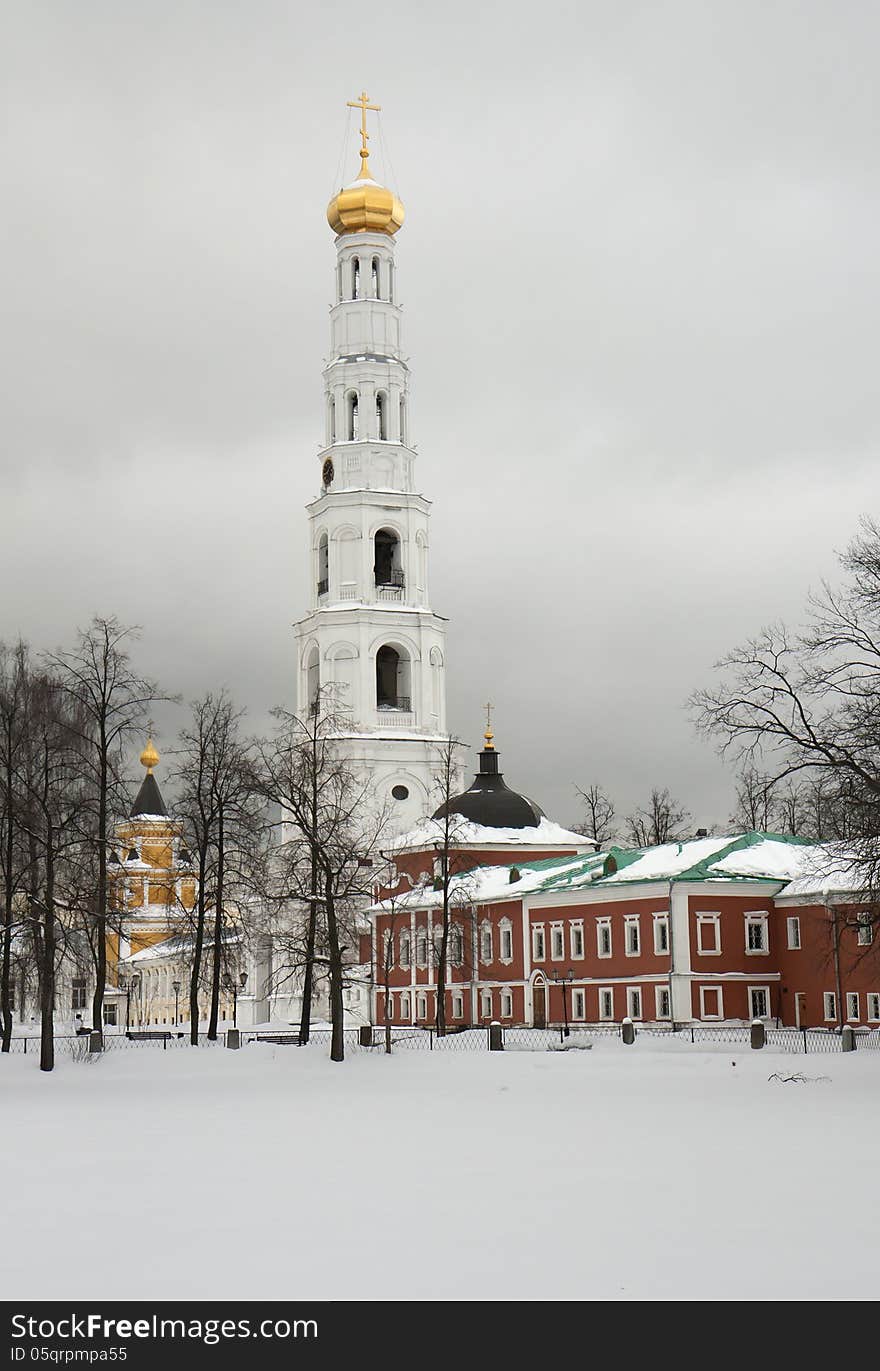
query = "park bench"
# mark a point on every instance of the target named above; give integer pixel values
(144, 1035)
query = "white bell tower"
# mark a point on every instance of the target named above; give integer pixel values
(370, 629)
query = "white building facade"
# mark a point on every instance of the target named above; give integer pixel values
(370, 632)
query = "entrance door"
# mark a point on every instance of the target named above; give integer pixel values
(539, 1003)
(800, 1009)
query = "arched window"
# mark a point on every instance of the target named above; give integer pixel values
(403, 419)
(381, 415)
(391, 282)
(313, 672)
(339, 283)
(392, 679)
(374, 278)
(456, 946)
(355, 277)
(353, 421)
(405, 949)
(386, 564)
(323, 565)
(331, 419)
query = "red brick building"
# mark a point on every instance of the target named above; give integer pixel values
(543, 928)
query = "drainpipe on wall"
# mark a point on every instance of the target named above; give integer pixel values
(671, 956)
(835, 936)
(475, 969)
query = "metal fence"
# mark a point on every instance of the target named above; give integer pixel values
(515, 1038)
(77, 1044)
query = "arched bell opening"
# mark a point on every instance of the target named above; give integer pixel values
(313, 682)
(387, 569)
(323, 564)
(353, 426)
(392, 679)
(381, 415)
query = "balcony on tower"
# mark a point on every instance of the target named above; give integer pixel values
(388, 574)
(393, 677)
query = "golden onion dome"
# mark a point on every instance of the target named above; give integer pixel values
(149, 757)
(364, 206)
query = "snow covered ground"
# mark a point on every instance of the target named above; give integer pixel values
(650, 1172)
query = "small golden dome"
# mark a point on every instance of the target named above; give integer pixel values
(149, 757)
(364, 206)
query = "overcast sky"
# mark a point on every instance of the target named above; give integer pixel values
(639, 271)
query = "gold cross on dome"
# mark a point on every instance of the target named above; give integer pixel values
(489, 735)
(363, 104)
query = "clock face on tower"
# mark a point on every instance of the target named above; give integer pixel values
(327, 472)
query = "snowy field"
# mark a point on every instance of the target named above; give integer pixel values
(652, 1172)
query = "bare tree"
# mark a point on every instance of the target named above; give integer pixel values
(109, 703)
(754, 802)
(331, 832)
(448, 864)
(599, 814)
(806, 704)
(49, 781)
(662, 820)
(217, 803)
(15, 673)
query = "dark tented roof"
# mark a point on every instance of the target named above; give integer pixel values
(492, 803)
(149, 798)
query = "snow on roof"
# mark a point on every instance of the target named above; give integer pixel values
(792, 863)
(828, 869)
(173, 947)
(467, 834)
(665, 861)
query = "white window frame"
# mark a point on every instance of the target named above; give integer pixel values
(539, 932)
(716, 990)
(715, 921)
(759, 990)
(421, 1006)
(661, 991)
(486, 937)
(405, 1006)
(603, 991)
(557, 939)
(486, 1008)
(661, 921)
(505, 935)
(389, 1005)
(576, 940)
(579, 1005)
(422, 947)
(457, 1006)
(603, 924)
(829, 1006)
(873, 1006)
(865, 931)
(793, 932)
(405, 950)
(634, 1001)
(757, 919)
(630, 922)
(507, 1004)
(852, 1006)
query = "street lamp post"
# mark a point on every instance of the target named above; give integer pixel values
(564, 981)
(175, 986)
(125, 984)
(242, 981)
(133, 989)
